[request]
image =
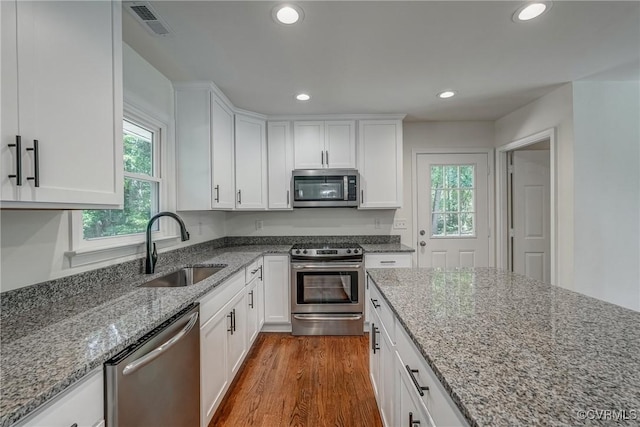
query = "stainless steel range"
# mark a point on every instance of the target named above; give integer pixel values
(327, 289)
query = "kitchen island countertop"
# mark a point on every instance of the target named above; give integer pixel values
(512, 351)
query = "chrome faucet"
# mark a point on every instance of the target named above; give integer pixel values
(152, 257)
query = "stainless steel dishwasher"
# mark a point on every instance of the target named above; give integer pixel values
(156, 381)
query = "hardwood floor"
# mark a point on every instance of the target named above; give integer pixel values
(304, 382)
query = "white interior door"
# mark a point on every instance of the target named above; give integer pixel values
(453, 220)
(531, 214)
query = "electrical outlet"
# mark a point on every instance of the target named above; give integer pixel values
(400, 224)
(259, 224)
(376, 223)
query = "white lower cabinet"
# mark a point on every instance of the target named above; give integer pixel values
(254, 301)
(277, 303)
(82, 405)
(381, 361)
(222, 348)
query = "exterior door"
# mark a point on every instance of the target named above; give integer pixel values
(453, 220)
(531, 214)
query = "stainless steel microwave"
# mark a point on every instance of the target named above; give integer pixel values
(325, 188)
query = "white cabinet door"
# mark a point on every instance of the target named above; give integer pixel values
(251, 163)
(319, 144)
(237, 336)
(374, 354)
(193, 147)
(222, 155)
(253, 311)
(340, 144)
(387, 379)
(409, 410)
(280, 158)
(259, 298)
(214, 371)
(10, 156)
(69, 93)
(308, 140)
(277, 304)
(380, 163)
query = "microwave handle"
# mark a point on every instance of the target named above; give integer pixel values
(345, 191)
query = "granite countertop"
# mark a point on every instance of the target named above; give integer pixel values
(512, 351)
(386, 247)
(48, 348)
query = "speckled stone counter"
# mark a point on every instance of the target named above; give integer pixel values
(386, 247)
(49, 347)
(512, 351)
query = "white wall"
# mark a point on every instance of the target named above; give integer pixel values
(33, 243)
(554, 110)
(607, 191)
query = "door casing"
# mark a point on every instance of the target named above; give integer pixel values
(502, 219)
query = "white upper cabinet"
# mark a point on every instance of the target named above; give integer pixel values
(251, 163)
(65, 92)
(380, 164)
(222, 154)
(325, 144)
(204, 148)
(280, 158)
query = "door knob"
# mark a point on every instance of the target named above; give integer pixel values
(423, 243)
(422, 232)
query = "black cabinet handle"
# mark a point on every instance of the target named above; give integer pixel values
(230, 316)
(239, 197)
(375, 303)
(374, 341)
(322, 157)
(217, 198)
(326, 156)
(260, 272)
(251, 303)
(36, 163)
(18, 174)
(415, 380)
(412, 422)
(233, 322)
(74, 425)
(287, 197)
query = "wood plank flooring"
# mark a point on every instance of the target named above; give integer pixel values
(313, 381)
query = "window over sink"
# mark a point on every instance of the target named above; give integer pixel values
(99, 235)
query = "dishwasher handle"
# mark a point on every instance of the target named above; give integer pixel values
(144, 360)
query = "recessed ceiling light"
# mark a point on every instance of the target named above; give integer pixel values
(303, 97)
(446, 94)
(287, 14)
(531, 10)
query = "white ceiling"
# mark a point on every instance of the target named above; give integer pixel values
(390, 57)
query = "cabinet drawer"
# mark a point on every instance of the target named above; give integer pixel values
(211, 303)
(441, 408)
(82, 404)
(382, 309)
(388, 260)
(253, 270)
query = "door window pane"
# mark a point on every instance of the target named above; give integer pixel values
(452, 201)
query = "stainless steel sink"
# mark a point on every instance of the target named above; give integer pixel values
(183, 277)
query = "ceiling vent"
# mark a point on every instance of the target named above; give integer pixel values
(149, 18)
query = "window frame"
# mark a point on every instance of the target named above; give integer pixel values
(105, 248)
(458, 212)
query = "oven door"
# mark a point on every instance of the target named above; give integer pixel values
(327, 287)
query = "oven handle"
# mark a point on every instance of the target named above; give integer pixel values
(325, 265)
(316, 318)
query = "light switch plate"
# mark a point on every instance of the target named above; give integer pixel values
(259, 224)
(400, 224)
